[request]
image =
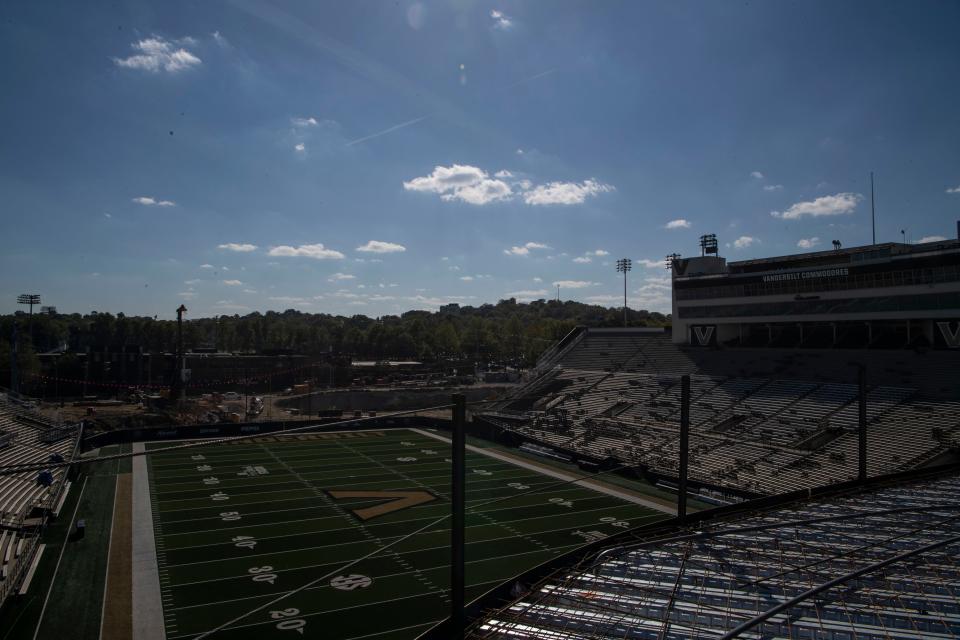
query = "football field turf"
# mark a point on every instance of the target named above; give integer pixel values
(239, 524)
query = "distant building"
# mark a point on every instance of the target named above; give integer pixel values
(886, 295)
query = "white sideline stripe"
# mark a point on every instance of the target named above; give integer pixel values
(33, 568)
(147, 603)
(63, 498)
(63, 547)
(106, 577)
(560, 475)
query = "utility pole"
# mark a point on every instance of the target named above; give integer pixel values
(623, 266)
(29, 299)
(180, 367)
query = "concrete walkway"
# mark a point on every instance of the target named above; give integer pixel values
(147, 605)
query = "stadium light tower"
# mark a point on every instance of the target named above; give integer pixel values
(30, 299)
(624, 265)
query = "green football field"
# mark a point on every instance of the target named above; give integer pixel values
(240, 524)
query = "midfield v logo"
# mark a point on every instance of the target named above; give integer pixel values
(950, 336)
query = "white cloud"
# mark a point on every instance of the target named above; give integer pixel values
(501, 20)
(188, 295)
(341, 276)
(462, 182)
(315, 251)
(304, 122)
(232, 283)
(756, 174)
(156, 54)
(954, 190)
(207, 266)
(538, 279)
(153, 202)
(572, 284)
(300, 147)
(600, 252)
(565, 192)
(930, 239)
(250, 291)
(823, 206)
(377, 246)
(475, 186)
(650, 264)
(808, 243)
(525, 249)
(239, 247)
(745, 241)
(453, 268)
(772, 187)
(467, 278)
(679, 223)
(583, 260)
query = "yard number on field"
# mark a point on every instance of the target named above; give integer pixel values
(560, 502)
(519, 486)
(211, 480)
(244, 542)
(287, 623)
(406, 459)
(229, 516)
(199, 456)
(219, 496)
(351, 582)
(262, 574)
(613, 522)
(483, 472)
(204, 467)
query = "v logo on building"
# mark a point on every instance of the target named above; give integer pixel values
(950, 336)
(704, 334)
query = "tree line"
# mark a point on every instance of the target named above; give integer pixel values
(507, 332)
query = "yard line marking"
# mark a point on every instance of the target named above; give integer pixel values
(378, 577)
(278, 522)
(321, 613)
(63, 548)
(411, 520)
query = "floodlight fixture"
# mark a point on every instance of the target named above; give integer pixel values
(623, 266)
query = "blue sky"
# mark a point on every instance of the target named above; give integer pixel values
(373, 157)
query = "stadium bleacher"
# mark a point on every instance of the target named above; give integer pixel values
(759, 425)
(28, 438)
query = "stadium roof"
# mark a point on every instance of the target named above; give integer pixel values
(879, 564)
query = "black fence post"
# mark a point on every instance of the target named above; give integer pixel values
(684, 445)
(862, 431)
(458, 521)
